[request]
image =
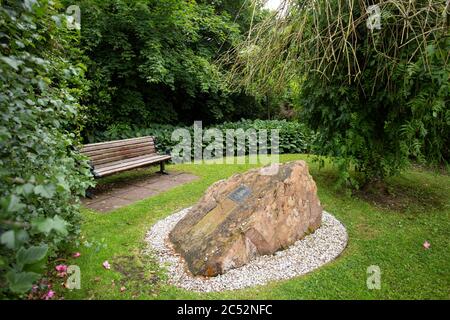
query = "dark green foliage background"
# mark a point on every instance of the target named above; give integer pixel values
(153, 61)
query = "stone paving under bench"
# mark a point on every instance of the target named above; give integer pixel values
(111, 196)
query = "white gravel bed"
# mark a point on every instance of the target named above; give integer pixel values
(306, 255)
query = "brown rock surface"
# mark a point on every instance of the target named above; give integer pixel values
(246, 216)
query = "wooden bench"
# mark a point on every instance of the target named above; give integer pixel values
(112, 157)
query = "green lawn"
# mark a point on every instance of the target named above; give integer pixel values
(389, 234)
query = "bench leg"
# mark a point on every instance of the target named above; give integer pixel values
(90, 193)
(162, 168)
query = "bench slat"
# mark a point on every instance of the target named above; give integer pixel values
(121, 155)
(107, 145)
(131, 164)
(109, 164)
(97, 152)
(121, 163)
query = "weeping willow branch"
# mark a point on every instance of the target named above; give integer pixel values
(324, 36)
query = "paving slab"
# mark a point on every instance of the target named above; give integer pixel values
(152, 179)
(138, 193)
(164, 185)
(111, 196)
(184, 178)
(109, 204)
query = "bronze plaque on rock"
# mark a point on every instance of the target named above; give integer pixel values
(240, 194)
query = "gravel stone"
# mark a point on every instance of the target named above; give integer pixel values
(306, 255)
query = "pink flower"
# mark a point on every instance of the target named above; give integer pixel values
(122, 289)
(61, 268)
(106, 265)
(426, 245)
(50, 294)
(76, 255)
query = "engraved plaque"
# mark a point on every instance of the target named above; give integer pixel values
(240, 194)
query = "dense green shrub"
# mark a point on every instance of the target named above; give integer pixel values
(378, 96)
(41, 174)
(394, 104)
(153, 61)
(294, 136)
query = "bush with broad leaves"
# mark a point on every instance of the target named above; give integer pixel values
(41, 174)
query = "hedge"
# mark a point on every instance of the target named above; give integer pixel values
(294, 137)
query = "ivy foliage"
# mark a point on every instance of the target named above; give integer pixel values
(41, 174)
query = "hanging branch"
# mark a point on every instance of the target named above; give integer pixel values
(322, 36)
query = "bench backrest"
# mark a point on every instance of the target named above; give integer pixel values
(106, 152)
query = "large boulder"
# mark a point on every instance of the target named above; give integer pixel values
(249, 215)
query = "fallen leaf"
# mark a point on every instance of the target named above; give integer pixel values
(49, 295)
(106, 265)
(61, 268)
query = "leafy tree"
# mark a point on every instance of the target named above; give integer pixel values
(245, 13)
(377, 97)
(153, 61)
(41, 173)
